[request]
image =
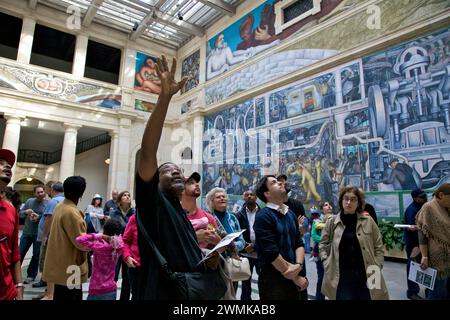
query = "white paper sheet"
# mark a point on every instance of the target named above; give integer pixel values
(403, 226)
(223, 243)
(425, 277)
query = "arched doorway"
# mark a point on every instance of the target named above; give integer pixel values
(25, 187)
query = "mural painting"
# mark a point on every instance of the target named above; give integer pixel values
(341, 35)
(186, 107)
(395, 140)
(251, 35)
(49, 85)
(191, 68)
(146, 78)
(408, 89)
(304, 98)
(144, 105)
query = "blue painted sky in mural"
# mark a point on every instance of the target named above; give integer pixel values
(231, 34)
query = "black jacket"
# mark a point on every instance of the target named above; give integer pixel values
(243, 222)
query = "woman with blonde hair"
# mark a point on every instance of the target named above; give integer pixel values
(351, 249)
(217, 202)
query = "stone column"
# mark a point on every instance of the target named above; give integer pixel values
(128, 68)
(79, 60)
(12, 136)
(26, 40)
(69, 151)
(197, 143)
(112, 162)
(122, 155)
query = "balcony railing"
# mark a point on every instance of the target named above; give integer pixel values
(47, 158)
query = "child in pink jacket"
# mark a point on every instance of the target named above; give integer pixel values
(107, 248)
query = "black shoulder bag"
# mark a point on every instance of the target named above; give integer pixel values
(189, 285)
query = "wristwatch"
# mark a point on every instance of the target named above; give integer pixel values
(19, 285)
(300, 263)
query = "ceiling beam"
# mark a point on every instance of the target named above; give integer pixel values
(220, 6)
(91, 12)
(167, 20)
(141, 28)
(32, 4)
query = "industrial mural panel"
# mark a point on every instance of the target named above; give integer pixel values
(252, 34)
(408, 90)
(339, 36)
(142, 105)
(395, 140)
(239, 147)
(306, 152)
(319, 93)
(146, 78)
(191, 68)
(49, 85)
(351, 85)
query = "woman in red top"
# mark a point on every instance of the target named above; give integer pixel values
(130, 253)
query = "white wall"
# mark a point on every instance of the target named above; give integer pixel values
(91, 165)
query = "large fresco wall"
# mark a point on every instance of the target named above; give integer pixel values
(325, 134)
(253, 34)
(338, 37)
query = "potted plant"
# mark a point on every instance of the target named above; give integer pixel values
(392, 239)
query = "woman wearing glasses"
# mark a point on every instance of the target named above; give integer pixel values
(351, 249)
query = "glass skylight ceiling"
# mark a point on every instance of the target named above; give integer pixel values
(169, 22)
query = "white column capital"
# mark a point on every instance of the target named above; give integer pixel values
(114, 134)
(12, 117)
(71, 127)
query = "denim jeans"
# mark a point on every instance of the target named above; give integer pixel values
(25, 243)
(441, 290)
(307, 240)
(320, 273)
(105, 296)
(413, 288)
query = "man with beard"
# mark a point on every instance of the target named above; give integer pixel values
(279, 245)
(204, 224)
(159, 211)
(11, 286)
(33, 210)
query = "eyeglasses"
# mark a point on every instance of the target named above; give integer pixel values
(352, 199)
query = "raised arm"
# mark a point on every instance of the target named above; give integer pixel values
(148, 163)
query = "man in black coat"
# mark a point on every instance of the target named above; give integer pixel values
(246, 217)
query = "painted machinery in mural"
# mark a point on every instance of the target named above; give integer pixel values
(410, 115)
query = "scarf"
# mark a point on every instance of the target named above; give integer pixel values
(434, 222)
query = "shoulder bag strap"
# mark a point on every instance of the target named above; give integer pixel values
(162, 261)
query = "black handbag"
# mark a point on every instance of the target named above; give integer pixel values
(208, 285)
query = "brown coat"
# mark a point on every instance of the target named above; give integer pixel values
(371, 244)
(62, 249)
